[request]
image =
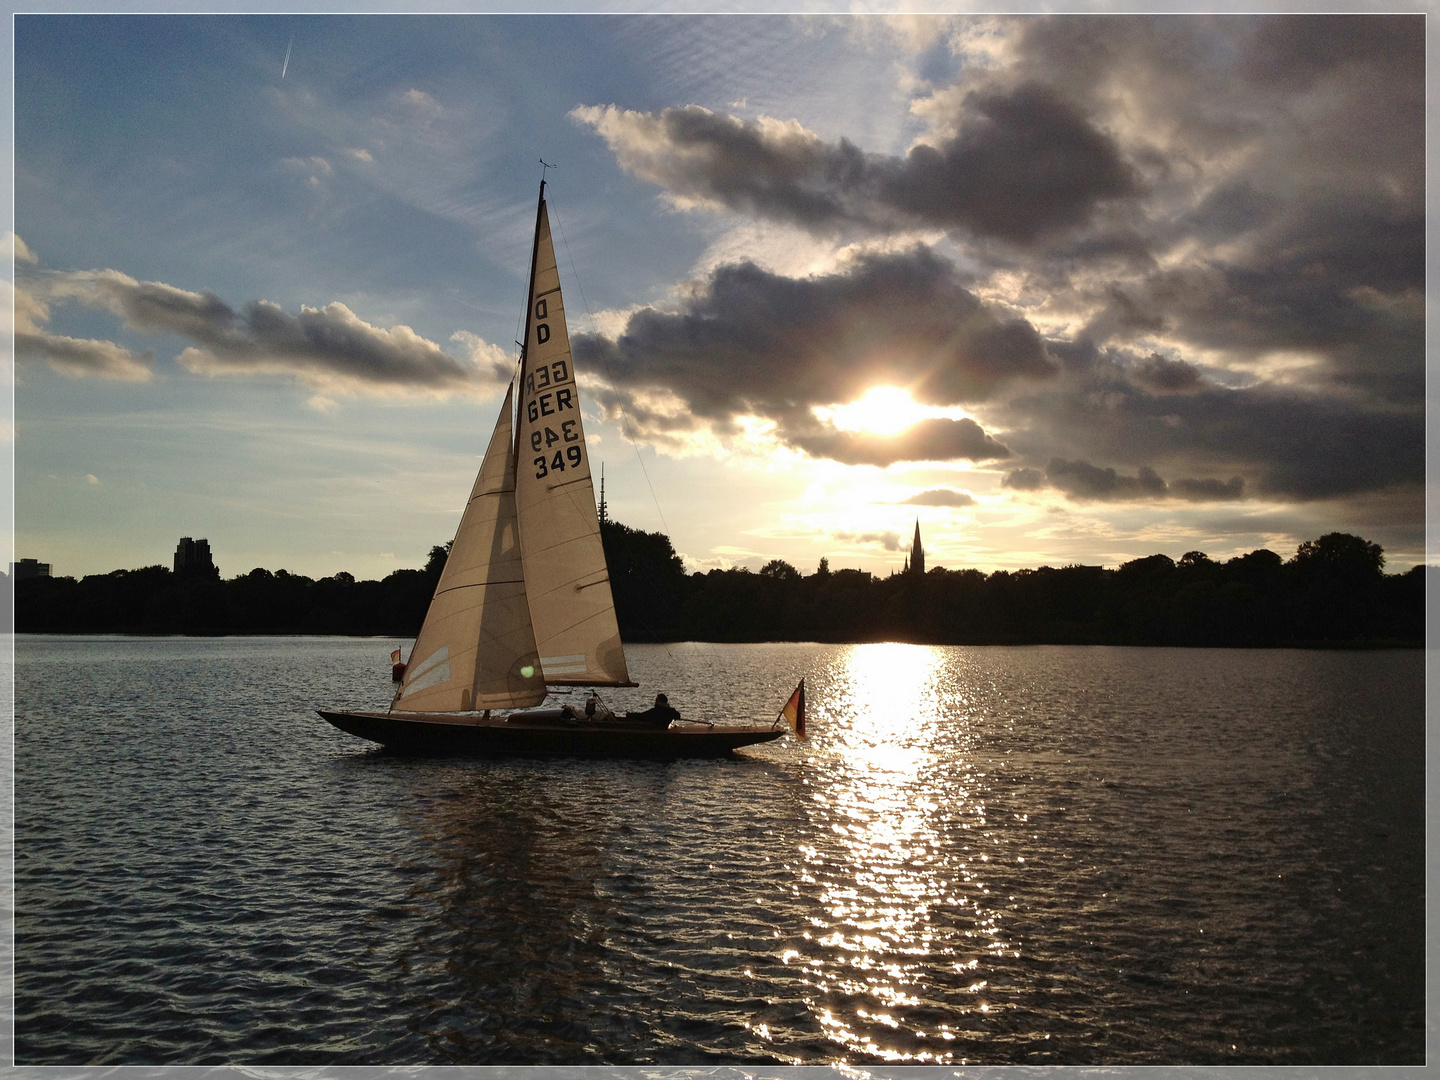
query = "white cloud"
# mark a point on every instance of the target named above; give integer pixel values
(329, 349)
(18, 249)
(78, 358)
(75, 358)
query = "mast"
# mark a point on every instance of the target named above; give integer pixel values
(529, 304)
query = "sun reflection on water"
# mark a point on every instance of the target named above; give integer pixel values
(903, 916)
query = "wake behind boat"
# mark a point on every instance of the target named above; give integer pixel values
(524, 601)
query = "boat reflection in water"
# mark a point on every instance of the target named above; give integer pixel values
(507, 943)
(587, 911)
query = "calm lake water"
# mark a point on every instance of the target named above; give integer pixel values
(981, 855)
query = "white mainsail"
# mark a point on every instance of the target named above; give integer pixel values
(571, 608)
(476, 649)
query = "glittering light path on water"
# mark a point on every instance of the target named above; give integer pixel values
(900, 860)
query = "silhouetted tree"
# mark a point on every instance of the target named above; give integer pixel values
(780, 569)
(1341, 555)
(647, 579)
(1337, 579)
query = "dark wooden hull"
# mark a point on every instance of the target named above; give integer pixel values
(543, 734)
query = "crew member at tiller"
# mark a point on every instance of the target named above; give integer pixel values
(659, 716)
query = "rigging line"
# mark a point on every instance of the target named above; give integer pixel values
(624, 420)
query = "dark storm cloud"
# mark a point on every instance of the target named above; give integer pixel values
(329, 347)
(1296, 51)
(1161, 375)
(1221, 83)
(940, 497)
(1083, 480)
(1022, 163)
(1277, 441)
(1304, 446)
(1086, 482)
(927, 440)
(1122, 318)
(756, 343)
(1286, 212)
(1343, 285)
(1288, 172)
(1024, 479)
(1208, 490)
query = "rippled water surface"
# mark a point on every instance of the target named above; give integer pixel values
(984, 855)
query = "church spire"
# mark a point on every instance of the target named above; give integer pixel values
(917, 553)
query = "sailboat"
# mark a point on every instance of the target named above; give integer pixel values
(524, 602)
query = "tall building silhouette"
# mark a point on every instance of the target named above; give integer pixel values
(916, 563)
(193, 557)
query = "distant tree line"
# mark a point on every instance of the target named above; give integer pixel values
(156, 600)
(1333, 591)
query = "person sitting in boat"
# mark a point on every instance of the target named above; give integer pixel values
(595, 709)
(658, 716)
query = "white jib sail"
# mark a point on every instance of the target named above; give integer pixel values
(476, 649)
(571, 608)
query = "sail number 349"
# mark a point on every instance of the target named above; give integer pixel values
(546, 438)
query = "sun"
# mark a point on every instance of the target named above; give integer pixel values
(881, 410)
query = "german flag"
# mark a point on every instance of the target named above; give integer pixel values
(794, 711)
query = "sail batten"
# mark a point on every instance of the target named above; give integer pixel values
(482, 584)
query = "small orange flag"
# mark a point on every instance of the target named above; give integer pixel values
(395, 657)
(794, 710)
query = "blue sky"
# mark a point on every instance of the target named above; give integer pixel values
(1068, 290)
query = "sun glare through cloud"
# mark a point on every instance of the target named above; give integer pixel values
(884, 410)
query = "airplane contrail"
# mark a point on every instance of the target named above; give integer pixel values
(285, 66)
